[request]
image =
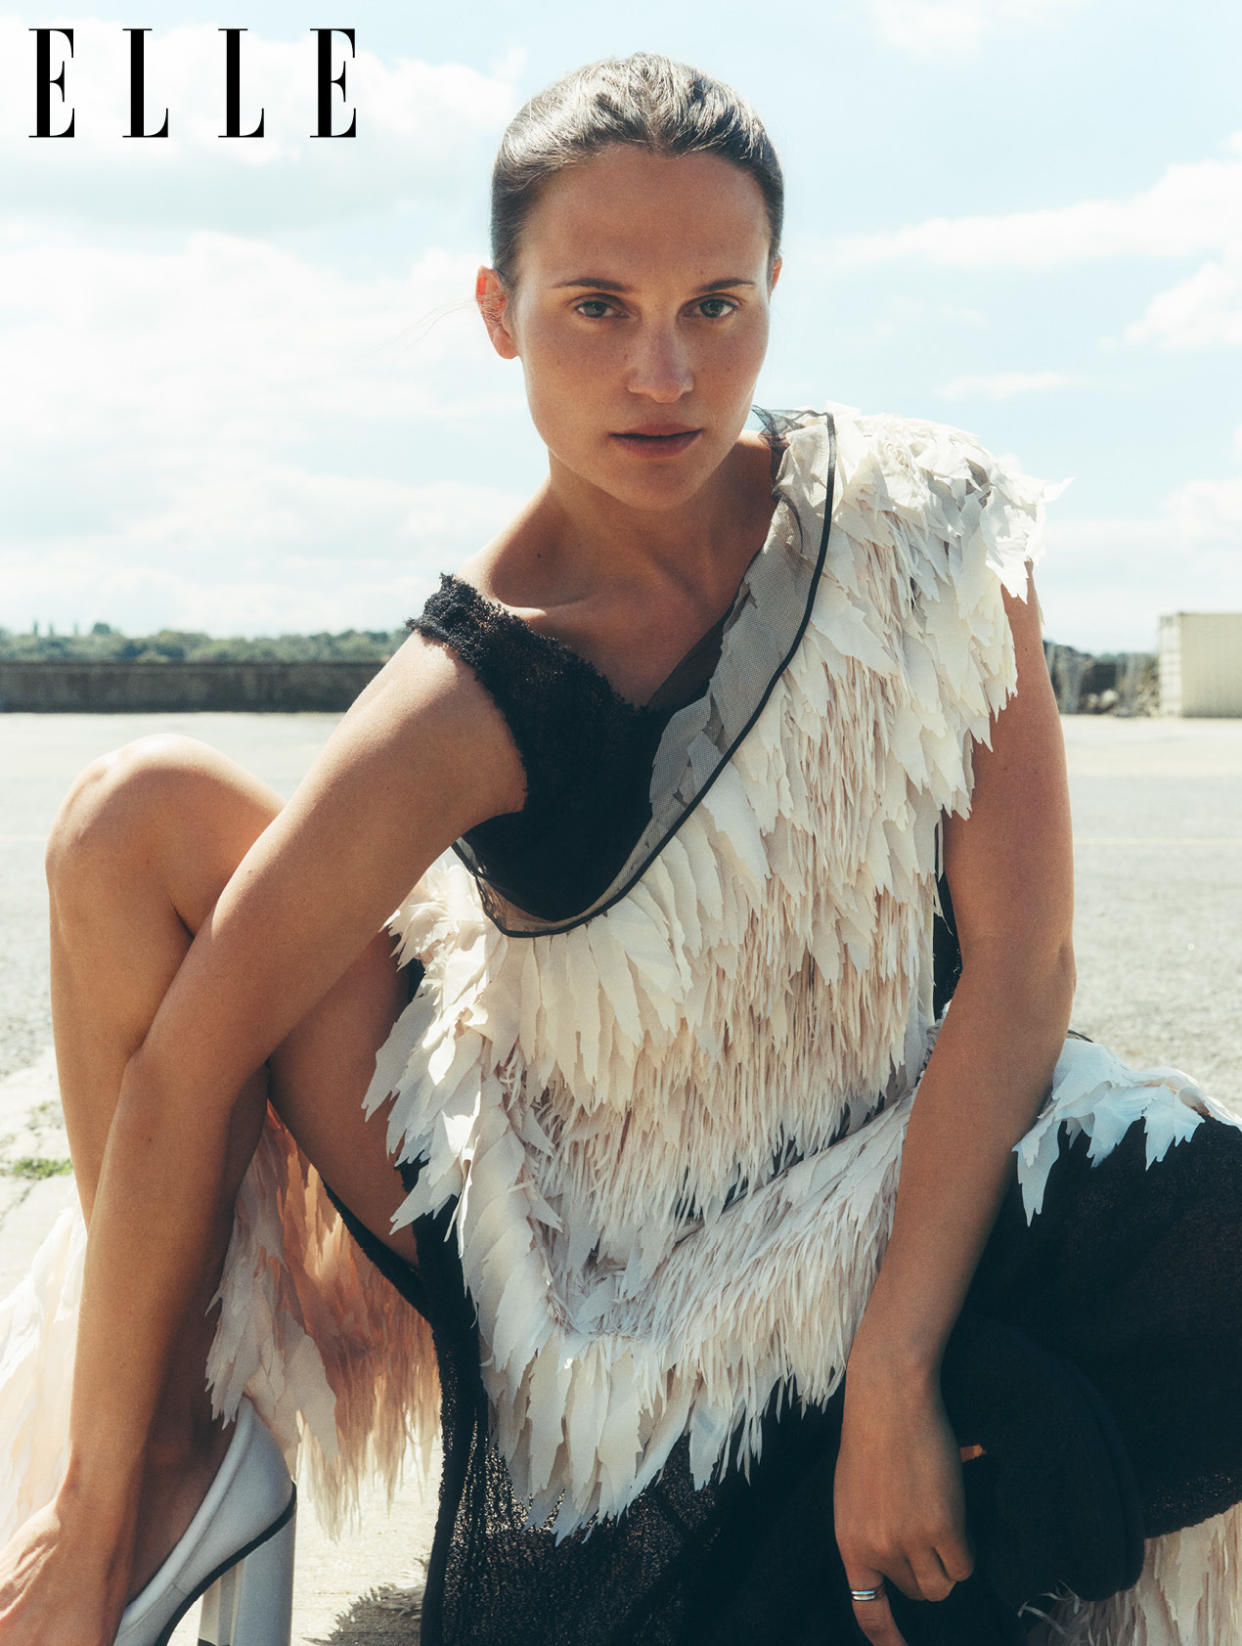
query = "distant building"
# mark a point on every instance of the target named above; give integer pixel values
(1201, 663)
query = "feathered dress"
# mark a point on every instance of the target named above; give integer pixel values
(651, 1133)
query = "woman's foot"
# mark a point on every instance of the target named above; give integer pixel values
(241, 1533)
(61, 1579)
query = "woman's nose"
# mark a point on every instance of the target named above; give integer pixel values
(659, 366)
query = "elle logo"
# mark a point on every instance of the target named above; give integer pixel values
(45, 80)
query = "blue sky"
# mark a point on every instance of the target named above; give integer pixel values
(247, 391)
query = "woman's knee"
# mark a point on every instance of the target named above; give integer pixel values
(128, 809)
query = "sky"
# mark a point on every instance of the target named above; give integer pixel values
(247, 391)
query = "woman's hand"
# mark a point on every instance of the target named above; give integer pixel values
(57, 1589)
(898, 1500)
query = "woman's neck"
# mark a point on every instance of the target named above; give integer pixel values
(575, 543)
(630, 590)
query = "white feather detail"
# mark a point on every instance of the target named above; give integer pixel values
(1096, 1095)
(1189, 1594)
(38, 1329)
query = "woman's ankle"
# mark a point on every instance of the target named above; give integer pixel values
(180, 1467)
(190, 1439)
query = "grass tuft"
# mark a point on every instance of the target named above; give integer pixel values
(34, 1169)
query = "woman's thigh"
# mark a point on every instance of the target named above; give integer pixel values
(1134, 1273)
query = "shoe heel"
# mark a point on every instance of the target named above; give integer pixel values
(252, 1603)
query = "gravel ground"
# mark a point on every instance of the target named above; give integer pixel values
(1158, 832)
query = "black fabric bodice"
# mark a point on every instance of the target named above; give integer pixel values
(587, 752)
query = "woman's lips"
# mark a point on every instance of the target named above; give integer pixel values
(657, 442)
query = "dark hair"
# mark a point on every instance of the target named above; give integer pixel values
(647, 100)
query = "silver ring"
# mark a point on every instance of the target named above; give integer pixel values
(868, 1594)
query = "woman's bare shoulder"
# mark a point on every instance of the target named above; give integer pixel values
(429, 709)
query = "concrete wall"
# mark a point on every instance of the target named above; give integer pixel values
(150, 688)
(1201, 663)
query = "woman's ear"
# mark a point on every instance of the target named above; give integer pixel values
(774, 276)
(492, 297)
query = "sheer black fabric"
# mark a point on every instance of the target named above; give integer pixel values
(1135, 1274)
(587, 753)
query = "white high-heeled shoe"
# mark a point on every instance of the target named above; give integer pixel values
(237, 1554)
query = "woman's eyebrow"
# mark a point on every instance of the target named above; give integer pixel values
(600, 284)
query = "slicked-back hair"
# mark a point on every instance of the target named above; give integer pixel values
(647, 100)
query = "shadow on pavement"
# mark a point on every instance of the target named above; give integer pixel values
(386, 1617)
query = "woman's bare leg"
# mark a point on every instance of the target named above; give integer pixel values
(141, 850)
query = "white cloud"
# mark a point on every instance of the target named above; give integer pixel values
(186, 424)
(906, 315)
(943, 28)
(423, 131)
(1004, 385)
(228, 340)
(1206, 515)
(1107, 581)
(1203, 311)
(1191, 209)
(266, 550)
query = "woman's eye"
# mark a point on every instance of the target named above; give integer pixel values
(715, 308)
(594, 308)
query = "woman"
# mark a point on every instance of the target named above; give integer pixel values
(703, 720)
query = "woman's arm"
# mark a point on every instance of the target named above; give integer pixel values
(421, 757)
(898, 1496)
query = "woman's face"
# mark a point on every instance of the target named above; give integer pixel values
(640, 316)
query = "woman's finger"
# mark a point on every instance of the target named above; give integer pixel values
(933, 1579)
(957, 1557)
(875, 1617)
(901, 1576)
